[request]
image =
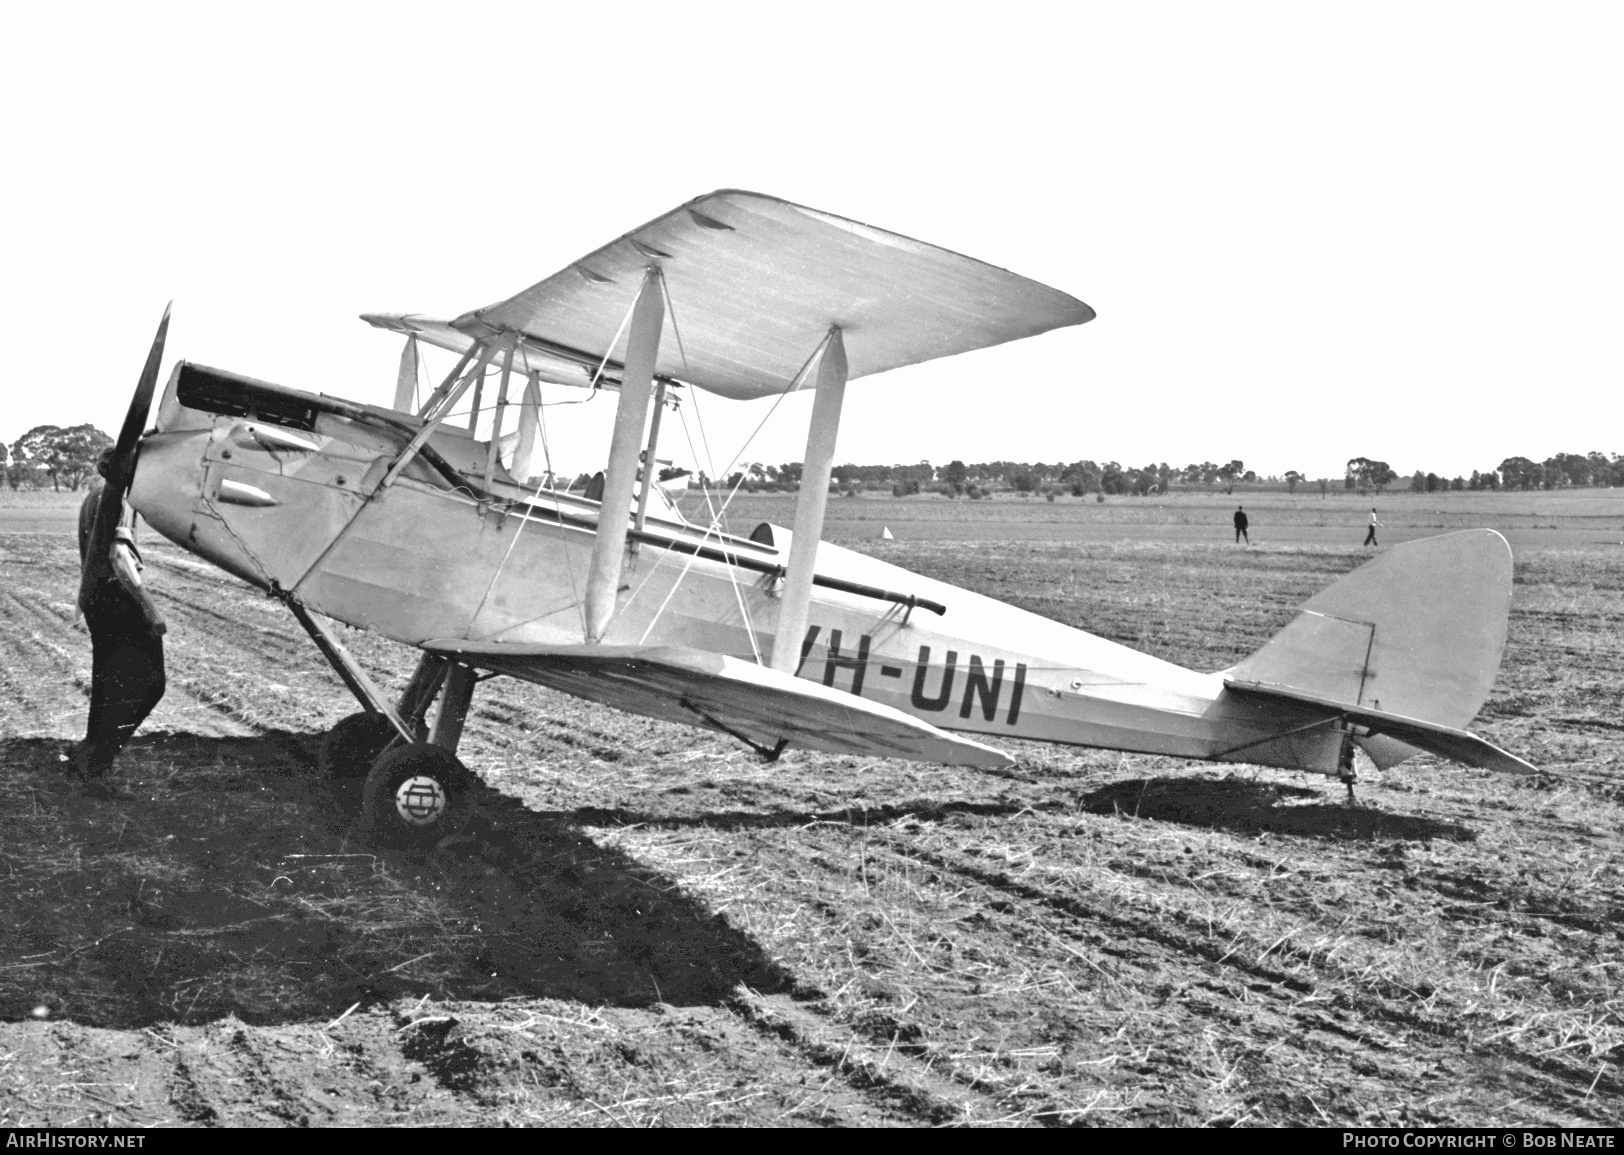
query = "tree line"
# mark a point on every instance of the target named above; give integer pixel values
(1560, 471)
(973, 479)
(1364, 474)
(66, 458)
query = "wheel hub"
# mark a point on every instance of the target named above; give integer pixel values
(420, 800)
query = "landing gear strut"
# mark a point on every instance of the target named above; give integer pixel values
(1345, 769)
(416, 791)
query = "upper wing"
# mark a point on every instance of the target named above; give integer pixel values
(755, 283)
(759, 705)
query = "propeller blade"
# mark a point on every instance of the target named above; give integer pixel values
(121, 469)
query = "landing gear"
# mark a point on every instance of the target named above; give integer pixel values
(350, 748)
(415, 792)
(1345, 769)
(415, 796)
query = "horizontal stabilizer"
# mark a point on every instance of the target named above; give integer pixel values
(1444, 741)
(757, 705)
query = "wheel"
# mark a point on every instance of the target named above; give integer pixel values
(414, 796)
(350, 748)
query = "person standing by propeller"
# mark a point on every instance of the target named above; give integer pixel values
(126, 639)
(126, 629)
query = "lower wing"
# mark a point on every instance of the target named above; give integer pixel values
(765, 708)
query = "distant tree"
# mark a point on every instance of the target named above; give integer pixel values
(29, 451)
(1457, 483)
(76, 452)
(1292, 479)
(1024, 482)
(1232, 472)
(1139, 482)
(1520, 473)
(1082, 476)
(1366, 473)
(1435, 483)
(955, 474)
(918, 474)
(67, 456)
(1112, 479)
(1418, 483)
(1568, 469)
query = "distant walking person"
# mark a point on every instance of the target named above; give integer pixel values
(126, 643)
(1370, 534)
(1240, 525)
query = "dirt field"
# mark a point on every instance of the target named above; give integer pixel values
(649, 925)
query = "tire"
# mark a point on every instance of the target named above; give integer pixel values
(414, 796)
(350, 748)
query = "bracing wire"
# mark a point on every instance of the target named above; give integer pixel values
(613, 341)
(718, 515)
(558, 512)
(671, 310)
(523, 521)
(795, 384)
(715, 527)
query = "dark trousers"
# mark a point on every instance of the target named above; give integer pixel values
(1240, 532)
(1370, 537)
(126, 682)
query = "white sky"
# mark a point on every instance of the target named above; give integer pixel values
(1311, 231)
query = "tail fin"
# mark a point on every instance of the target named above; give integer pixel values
(1415, 634)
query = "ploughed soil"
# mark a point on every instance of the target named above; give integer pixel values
(648, 924)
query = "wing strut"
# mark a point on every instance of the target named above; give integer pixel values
(620, 476)
(795, 606)
(649, 464)
(406, 377)
(436, 410)
(493, 454)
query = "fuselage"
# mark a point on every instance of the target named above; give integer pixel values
(283, 489)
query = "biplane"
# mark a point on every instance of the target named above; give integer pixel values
(426, 523)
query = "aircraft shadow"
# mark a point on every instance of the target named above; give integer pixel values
(1244, 807)
(234, 882)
